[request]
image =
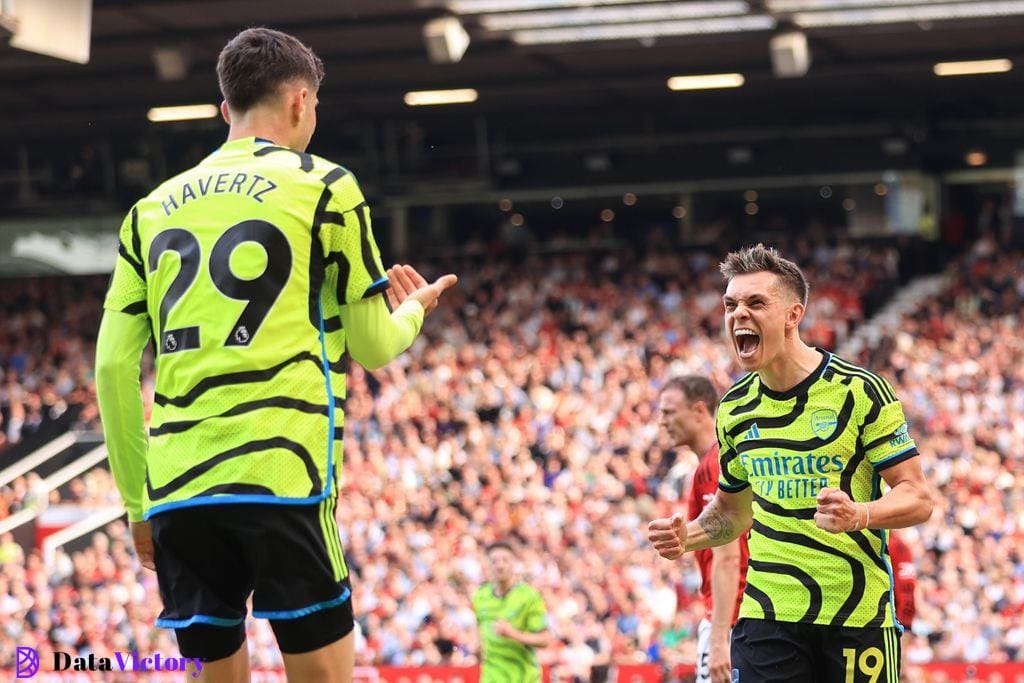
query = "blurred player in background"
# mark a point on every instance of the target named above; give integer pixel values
(806, 439)
(905, 585)
(513, 622)
(254, 272)
(687, 408)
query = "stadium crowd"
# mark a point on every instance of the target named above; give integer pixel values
(527, 412)
(47, 334)
(958, 364)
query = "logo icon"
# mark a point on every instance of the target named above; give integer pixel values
(900, 436)
(735, 676)
(170, 343)
(27, 662)
(752, 433)
(241, 334)
(824, 423)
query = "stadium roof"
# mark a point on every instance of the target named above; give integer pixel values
(374, 50)
(594, 95)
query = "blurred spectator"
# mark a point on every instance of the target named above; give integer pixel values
(527, 413)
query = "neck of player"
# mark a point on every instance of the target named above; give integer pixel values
(703, 441)
(791, 366)
(261, 122)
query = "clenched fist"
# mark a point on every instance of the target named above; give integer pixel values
(668, 535)
(838, 514)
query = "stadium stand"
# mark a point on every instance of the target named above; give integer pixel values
(529, 413)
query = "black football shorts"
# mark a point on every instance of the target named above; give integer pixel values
(211, 558)
(781, 652)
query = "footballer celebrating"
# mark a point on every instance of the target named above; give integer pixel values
(806, 440)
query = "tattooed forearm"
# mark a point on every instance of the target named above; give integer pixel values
(716, 524)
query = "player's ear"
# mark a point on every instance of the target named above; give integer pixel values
(225, 112)
(295, 103)
(794, 314)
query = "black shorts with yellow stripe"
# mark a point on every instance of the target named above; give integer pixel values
(776, 652)
(211, 558)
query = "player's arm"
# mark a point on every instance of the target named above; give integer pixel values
(908, 503)
(539, 639)
(893, 455)
(122, 338)
(123, 334)
(726, 518)
(725, 580)
(376, 336)
(537, 632)
(728, 515)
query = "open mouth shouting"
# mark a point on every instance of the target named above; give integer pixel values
(747, 342)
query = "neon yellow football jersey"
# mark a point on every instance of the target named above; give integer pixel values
(839, 428)
(504, 659)
(241, 264)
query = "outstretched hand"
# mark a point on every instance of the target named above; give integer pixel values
(407, 283)
(668, 535)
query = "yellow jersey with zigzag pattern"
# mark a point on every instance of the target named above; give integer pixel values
(838, 428)
(241, 265)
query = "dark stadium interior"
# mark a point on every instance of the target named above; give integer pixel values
(870, 101)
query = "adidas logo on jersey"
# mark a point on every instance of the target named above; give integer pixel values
(752, 433)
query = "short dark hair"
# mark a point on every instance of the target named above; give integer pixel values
(255, 63)
(760, 259)
(694, 388)
(500, 545)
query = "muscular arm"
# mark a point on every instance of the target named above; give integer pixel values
(726, 517)
(376, 336)
(909, 502)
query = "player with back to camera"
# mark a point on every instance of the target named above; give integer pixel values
(806, 439)
(687, 413)
(254, 272)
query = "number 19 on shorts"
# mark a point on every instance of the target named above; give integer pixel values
(869, 664)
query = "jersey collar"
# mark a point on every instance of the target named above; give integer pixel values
(240, 143)
(803, 386)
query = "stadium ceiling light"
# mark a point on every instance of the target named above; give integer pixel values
(896, 15)
(706, 82)
(608, 15)
(187, 112)
(487, 6)
(810, 5)
(423, 98)
(976, 158)
(982, 66)
(581, 34)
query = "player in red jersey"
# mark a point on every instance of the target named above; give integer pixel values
(905, 575)
(904, 584)
(687, 408)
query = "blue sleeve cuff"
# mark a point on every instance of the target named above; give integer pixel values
(377, 287)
